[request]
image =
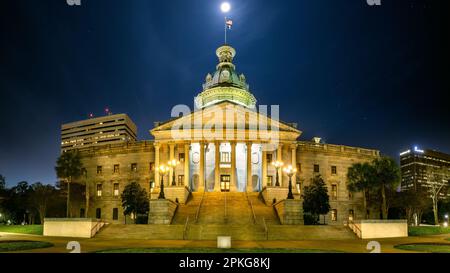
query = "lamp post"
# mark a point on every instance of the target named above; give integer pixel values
(277, 164)
(172, 164)
(162, 171)
(290, 172)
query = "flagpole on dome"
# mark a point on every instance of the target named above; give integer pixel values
(225, 7)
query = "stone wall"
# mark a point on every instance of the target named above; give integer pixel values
(161, 211)
(290, 212)
(271, 193)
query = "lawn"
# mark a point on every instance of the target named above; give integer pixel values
(428, 230)
(6, 246)
(216, 250)
(430, 247)
(26, 229)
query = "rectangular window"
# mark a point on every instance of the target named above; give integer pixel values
(269, 180)
(269, 158)
(334, 192)
(82, 212)
(98, 213)
(181, 157)
(333, 170)
(316, 168)
(116, 168)
(99, 170)
(134, 167)
(334, 215)
(152, 166)
(115, 214)
(180, 180)
(225, 157)
(99, 190)
(116, 189)
(350, 195)
(299, 167)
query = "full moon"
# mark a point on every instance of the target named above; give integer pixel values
(225, 7)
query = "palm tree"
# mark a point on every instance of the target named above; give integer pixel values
(386, 175)
(69, 167)
(359, 180)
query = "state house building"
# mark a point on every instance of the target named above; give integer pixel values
(218, 161)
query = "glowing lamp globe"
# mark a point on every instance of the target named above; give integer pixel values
(225, 7)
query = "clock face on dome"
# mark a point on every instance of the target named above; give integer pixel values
(225, 75)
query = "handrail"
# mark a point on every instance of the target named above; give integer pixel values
(197, 214)
(353, 226)
(250, 203)
(185, 228)
(266, 230)
(97, 227)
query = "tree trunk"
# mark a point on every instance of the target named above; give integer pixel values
(383, 202)
(365, 203)
(68, 199)
(435, 211)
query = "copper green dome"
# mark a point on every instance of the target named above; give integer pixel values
(225, 84)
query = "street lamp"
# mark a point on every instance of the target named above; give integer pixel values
(172, 164)
(277, 164)
(162, 171)
(290, 172)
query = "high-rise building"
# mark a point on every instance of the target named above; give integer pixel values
(110, 129)
(418, 166)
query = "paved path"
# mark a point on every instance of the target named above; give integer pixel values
(348, 245)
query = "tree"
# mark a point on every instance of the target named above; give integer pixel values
(40, 198)
(2, 183)
(386, 175)
(135, 200)
(437, 181)
(413, 203)
(359, 179)
(316, 199)
(69, 167)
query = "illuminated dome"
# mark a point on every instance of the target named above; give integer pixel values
(225, 84)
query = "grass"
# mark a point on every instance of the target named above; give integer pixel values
(26, 229)
(429, 230)
(6, 246)
(216, 250)
(426, 247)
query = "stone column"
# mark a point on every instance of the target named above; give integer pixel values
(186, 165)
(294, 165)
(233, 167)
(280, 158)
(264, 168)
(201, 175)
(249, 187)
(217, 166)
(171, 156)
(157, 178)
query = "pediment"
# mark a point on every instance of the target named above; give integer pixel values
(223, 121)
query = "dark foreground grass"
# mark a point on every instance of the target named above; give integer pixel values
(26, 229)
(426, 247)
(216, 250)
(6, 246)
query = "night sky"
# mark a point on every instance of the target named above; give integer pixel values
(354, 74)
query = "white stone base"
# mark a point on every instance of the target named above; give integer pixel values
(72, 227)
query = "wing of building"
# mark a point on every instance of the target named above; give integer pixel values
(226, 145)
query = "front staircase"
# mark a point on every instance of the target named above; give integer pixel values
(243, 216)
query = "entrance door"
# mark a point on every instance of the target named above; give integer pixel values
(225, 182)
